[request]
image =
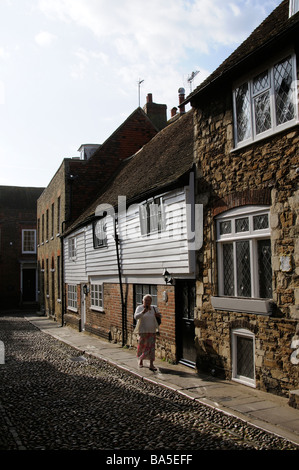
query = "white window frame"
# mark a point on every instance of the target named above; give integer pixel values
(100, 233)
(72, 299)
(97, 296)
(253, 303)
(72, 248)
(32, 231)
(293, 7)
(242, 332)
(148, 211)
(249, 81)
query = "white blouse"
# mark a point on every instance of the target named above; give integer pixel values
(148, 323)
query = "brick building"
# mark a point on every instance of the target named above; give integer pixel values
(73, 187)
(112, 260)
(246, 153)
(18, 259)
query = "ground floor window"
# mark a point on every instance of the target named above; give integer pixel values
(243, 345)
(244, 253)
(97, 297)
(72, 296)
(140, 290)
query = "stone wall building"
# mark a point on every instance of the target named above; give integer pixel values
(246, 152)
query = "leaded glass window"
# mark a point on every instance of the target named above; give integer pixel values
(285, 109)
(244, 253)
(243, 112)
(243, 269)
(243, 356)
(266, 102)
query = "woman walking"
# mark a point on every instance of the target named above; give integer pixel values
(146, 316)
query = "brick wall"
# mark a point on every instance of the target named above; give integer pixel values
(17, 213)
(108, 324)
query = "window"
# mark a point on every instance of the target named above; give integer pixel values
(47, 225)
(243, 365)
(72, 296)
(140, 290)
(244, 253)
(266, 103)
(58, 278)
(29, 241)
(96, 296)
(43, 228)
(38, 231)
(151, 216)
(294, 7)
(72, 248)
(52, 221)
(99, 233)
(58, 215)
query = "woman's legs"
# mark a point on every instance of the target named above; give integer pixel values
(146, 349)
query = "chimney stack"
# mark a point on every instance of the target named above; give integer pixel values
(173, 111)
(156, 112)
(181, 99)
(149, 98)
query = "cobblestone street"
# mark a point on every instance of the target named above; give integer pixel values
(52, 399)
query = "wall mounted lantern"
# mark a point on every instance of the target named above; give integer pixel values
(167, 277)
(85, 289)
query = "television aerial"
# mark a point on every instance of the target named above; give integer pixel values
(139, 83)
(191, 78)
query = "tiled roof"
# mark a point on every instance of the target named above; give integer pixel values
(18, 197)
(160, 164)
(271, 30)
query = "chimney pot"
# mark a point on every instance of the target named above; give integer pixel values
(181, 99)
(149, 98)
(173, 111)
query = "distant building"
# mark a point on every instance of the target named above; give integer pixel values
(18, 259)
(72, 189)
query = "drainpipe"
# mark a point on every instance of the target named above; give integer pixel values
(62, 274)
(123, 312)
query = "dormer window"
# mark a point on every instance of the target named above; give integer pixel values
(266, 102)
(151, 216)
(294, 7)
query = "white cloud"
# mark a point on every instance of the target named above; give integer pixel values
(2, 93)
(156, 31)
(44, 38)
(4, 54)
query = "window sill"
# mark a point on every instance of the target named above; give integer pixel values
(264, 136)
(237, 304)
(72, 309)
(97, 309)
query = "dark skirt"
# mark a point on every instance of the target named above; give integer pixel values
(146, 346)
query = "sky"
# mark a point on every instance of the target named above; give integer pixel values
(70, 69)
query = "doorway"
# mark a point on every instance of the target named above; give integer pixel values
(29, 285)
(185, 304)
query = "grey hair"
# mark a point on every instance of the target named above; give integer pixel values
(147, 296)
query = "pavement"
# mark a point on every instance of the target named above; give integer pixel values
(261, 409)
